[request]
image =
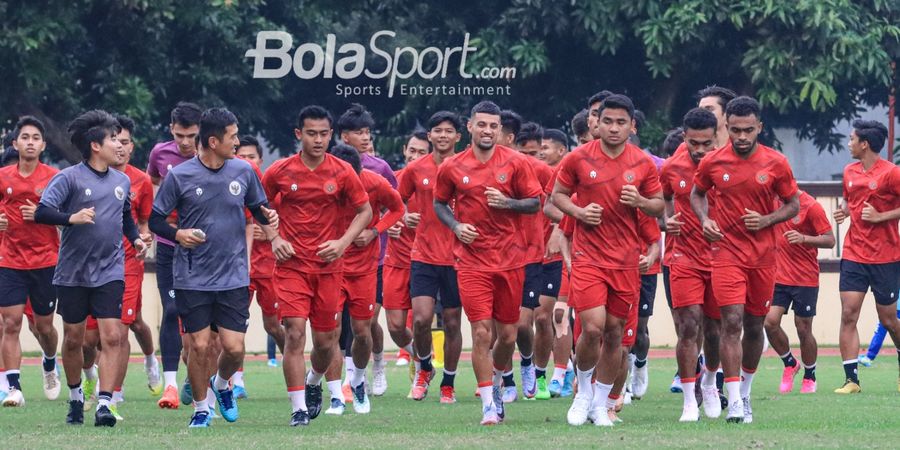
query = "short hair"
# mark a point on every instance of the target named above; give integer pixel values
(699, 119)
(445, 116)
(25, 121)
(618, 101)
(530, 131)
(557, 136)
(510, 121)
(418, 133)
(186, 114)
(724, 95)
(250, 141)
(347, 154)
(640, 119)
(214, 122)
(125, 123)
(580, 122)
(92, 127)
(10, 137)
(743, 106)
(871, 131)
(599, 97)
(673, 139)
(356, 117)
(315, 112)
(486, 107)
(10, 156)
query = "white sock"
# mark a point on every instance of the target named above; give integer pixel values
(559, 374)
(76, 394)
(746, 383)
(359, 375)
(418, 364)
(601, 394)
(298, 400)
(409, 349)
(4, 383)
(210, 398)
(313, 378)
(171, 378)
(90, 374)
(334, 386)
(569, 365)
(220, 382)
(150, 361)
(378, 359)
(709, 378)
(118, 397)
(584, 378)
(201, 407)
(733, 388)
(348, 369)
(238, 378)
(611, 403)
(103, 401)
(498, 377)
(487, 395)
(690, 398)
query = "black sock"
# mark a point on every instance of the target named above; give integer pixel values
(13, 379)
(640, 363)
(508, 380)
(49, 364)
(699, 368)
(525, 361)
(850, 371)
(809, 373)
(789, 360)
(540, 373)
(425, 364)
(449, 379)
(720, 381)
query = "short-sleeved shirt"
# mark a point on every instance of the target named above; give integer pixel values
(313, 205)
(650, 234)
(434, 242)
(742, 184)
(866, 242)
(381, 167)
(798, 264)
(362, 260)
(141, 196)
(598, 178)
(26, 245)
(212, 201)
(163, 158)
(90, 255)
(464, 178)
(689, 248)
(536, 228)
(399, 249)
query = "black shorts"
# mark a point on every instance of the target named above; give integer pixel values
(18, 286)
(429, 280)
(666, 286)
(531, 288)
(882, 278)
(551, 277)
(225, 309)
(102, 302)
(802, 299)
(379, 286)
(648, 295)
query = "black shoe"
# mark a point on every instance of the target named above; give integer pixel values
(723, 401)
(76, 413)
(313, 400)
(300, 417)
(104, 418)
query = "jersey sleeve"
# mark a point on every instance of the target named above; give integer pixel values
(56, 192)
(407, 186)
(145, 201)
(567, 225)
(354, 192)
(566, 175)
(256, 195)
(648, 229)
(702, 179)
(664, 175)
(167, 197)
(527, 184)
(444, 188)
(650, 184)
(153, 164)
(894, 182)
(818, 219)
(785, 185)
(390, 199)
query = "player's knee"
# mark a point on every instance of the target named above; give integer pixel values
(481, 335)
(11, 326)
(772, 324)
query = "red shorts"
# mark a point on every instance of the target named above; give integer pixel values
(629, 333)
(617, 290)
(753, 288)
(312, 296)
(265, 295)
(131, 301)
(395, 292)
(358, 291)
(491, 295)
(564, 283)
(691, 287)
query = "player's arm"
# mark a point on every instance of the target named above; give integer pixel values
(561, 196)
(498, 200)
(389, 199)
(464, 232)
(551, 211)
(821, 241)
(842, 212)
(700, 206)
(871, 215)
(754, 221)
(334, 249)
(652, 206)
(649, 259)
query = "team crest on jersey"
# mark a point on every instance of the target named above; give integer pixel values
(88, 192)
(132, 195)
(593, 174)
(682, 184)
(294, 187)
(762, 177)
(726, 177)
(795, 220)
(873, 185)
(628, 176)
(235, 188)
(465, 180)
(426, 181)
(501, 178)
(330, 187)
(199, 191)
(120, 193)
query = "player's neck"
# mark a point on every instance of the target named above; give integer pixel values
(613, 151)
(189, 154)
(483, 155)
(748, 155)
(869, 159)
(27, 167)
(722, 137)
(311, 162)
(210, 159)
(98, 165)
(121, 167)
(439, 157)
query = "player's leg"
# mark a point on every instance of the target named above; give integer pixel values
(688, 321)
(379, 380)
(609, 364)
(333, 373)
(231, 315)
(782, 300)
(531, 294)
(397, 305)
(90, 347)
(43, 303)
(854, 283)
(884, 281)
(170, 343)
(543, 344)
(425, 283)
(588, 296)
(144, 338)
(195, 309)
(642, 341)
(809, 349)
(11, 352)
(452, 321)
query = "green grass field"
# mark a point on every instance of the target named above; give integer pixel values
(867, 420)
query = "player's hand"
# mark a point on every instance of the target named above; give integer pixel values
(794, 237)
(188, 239)
(644, 263)
(282, 249)
(673, 225)
(394, 231)
(258, 233)
(365, 237)
(591, 214)
(331, 250)
(4, 222)
(754, 221)
(147, 238)
(141, 247)
(840, 215)
(711, 231)
(495, 198)
(412, 219)
(631, 197)
(553, 246)
(465, 233)
(870, 214)
(272, 217)
(85, 216)
(561, 319)
(28, 211)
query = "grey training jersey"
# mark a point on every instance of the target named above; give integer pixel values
(212, 201)
(90, 255)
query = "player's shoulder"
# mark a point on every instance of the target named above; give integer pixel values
(278, 165)
(44, 168)
(137, 175)
(8, 170)
(161, 147)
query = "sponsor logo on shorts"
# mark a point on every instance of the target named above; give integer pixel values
(630, 332)
(531, 294)
(199, 191)
(808, 308)
(171, 293)
(549, 285)
(88, 192)
(276, 306)
(644, 307)
(234, 188)
(130, 312)
(51, 304)
(628, 176)
(371, 307)
(120, 193)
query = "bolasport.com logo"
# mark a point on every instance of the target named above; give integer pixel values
(275, 57)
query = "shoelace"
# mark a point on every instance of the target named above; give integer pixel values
(50, 380)
(199, 418)
(227, 399)
(360, 393)
(422, 378)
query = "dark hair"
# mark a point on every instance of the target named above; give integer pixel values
(580, 122)
(486, 107)
(557, 136)
(673, 139)
(639, 119)
(530, 131)
(10, 137)
(510, 121)
(92, 127)
(618, 101)
(724, 95)
(599, 97)
(186, 114)
(10, 156)
(445, 116)
(355, 118)
(313, 112)
(871, 131)
(348, 154)
(250, 141)
(213, 123)
(743, 106)
(418, 133)
(25, 121)
(699, 119)
(125, 123)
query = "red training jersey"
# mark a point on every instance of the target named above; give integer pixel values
(26, 245)
(689, 248)
(536, 228)
(434, 242)
(798, 264)
(399, 249)
(650, 234)
(866, 242)
(362, 260)
(141, 206)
